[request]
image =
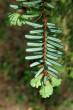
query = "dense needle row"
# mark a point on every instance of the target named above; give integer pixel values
(42, 45)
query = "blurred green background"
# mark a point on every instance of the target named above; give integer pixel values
(15, 90)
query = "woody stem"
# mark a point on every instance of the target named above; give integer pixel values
(45, 31)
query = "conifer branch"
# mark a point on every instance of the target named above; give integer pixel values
(44, 45)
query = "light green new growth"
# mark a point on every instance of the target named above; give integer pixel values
(47, 90)
(16, 19)
(55, 82)
(36, 82)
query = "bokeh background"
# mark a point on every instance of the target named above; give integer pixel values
(15, 90)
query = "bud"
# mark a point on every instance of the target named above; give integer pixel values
(55, 82)
(47, 90)
(36, 82)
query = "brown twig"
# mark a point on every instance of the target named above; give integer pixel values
(45, 35)
(45, 31)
